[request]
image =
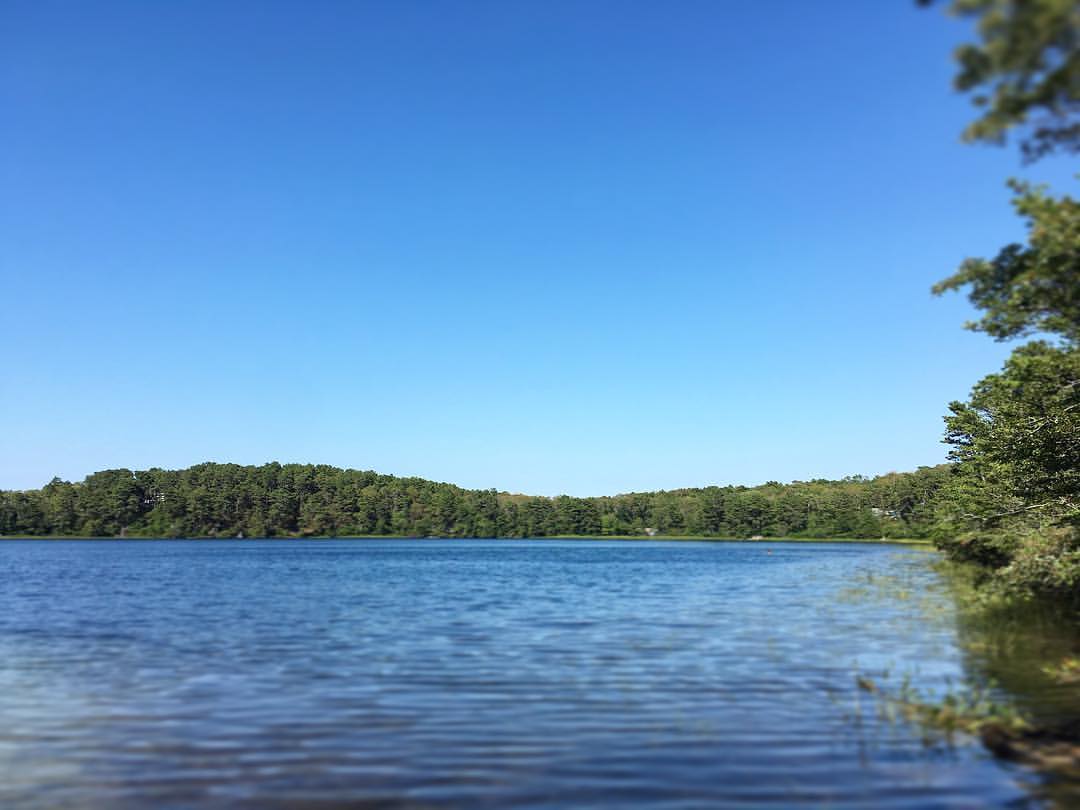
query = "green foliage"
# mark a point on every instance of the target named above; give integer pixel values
(1018, 438)
(226, 500)
(1032, 288)
(1013, 502)
(1024, 71)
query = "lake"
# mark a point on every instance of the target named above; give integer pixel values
(459, 673)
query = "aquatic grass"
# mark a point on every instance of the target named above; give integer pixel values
(973, 709)
(976, 712)
(1065, 671)
(1020, 695)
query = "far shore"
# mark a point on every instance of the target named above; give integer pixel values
(905, 541)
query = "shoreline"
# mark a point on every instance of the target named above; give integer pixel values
(902, 541)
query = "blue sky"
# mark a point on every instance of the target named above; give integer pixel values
(581, 247)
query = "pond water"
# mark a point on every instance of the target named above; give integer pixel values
(538, 673)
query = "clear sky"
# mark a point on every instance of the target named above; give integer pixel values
(581, 247)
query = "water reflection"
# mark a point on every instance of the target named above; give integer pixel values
(1019, 692)
(1029, 654)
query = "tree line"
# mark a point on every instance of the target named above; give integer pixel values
(274, 500)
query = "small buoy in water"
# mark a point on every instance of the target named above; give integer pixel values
(768, 551)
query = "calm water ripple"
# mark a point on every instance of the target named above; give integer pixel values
(386, 673)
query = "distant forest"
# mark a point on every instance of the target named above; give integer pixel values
(279, 500)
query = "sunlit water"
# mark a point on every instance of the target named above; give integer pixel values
(387, 673)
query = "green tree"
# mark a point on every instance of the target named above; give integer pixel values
(1012, 501)
(1023, 73)
(1031, 288)
(60, 502)
(222, 500)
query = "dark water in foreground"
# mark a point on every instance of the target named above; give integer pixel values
(371, 673)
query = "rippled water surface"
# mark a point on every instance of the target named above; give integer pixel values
(396, 673)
